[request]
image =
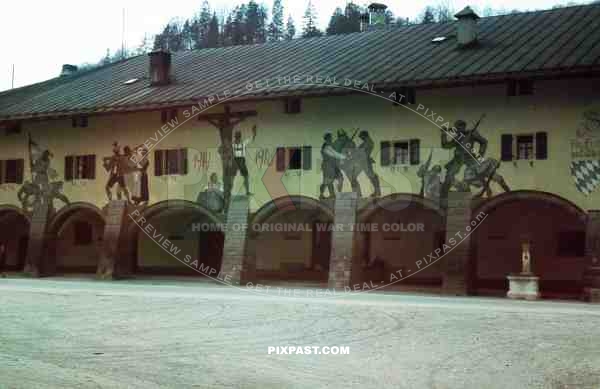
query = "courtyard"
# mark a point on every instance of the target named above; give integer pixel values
(78, 333)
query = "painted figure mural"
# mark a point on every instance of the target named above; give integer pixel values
(129, 171)
(40, 190)
(431, 181)
(479, 171)
(330, 167)
(239, 148)
(343, 155)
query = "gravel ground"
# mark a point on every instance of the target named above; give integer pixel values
(58, 333)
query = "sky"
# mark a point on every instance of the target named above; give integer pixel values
(38, 37)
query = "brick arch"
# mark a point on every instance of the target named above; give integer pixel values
(60, 219)
(291, 203)
(530, 195)
(389, 201)
(177, 206)
(8, 209)
(128, 247)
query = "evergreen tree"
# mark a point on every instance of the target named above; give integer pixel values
(290, 29)
(212, 35)
(309, 22)
(428, 15)
(275, 31)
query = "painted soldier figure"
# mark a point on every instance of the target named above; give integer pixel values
(239, 149)
(331, 170)
(366, 147)
(462, 143)
(116, 169)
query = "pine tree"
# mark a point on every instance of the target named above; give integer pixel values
(309, 22)
(427, 16)
(275, 32)
(212, 35)
(290, 29)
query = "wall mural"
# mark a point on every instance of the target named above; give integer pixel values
(585, 153)
(40, 190)
(343, 155)
(129, 172)
(479, 172)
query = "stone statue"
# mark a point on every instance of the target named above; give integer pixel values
(525, 258)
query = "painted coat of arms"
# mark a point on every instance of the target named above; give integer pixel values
(585, 154)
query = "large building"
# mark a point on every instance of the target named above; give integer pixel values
(446, 147)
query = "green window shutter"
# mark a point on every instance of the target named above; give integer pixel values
(541, 145)
(415, 151)
(69, 168)
(306, 157)
(20, 170)
(386, 148)
(506, 152)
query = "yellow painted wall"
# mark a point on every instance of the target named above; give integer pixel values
(556, 108)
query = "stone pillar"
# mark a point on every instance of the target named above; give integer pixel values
(111, 239)
(36, 248)
(342, 241)
(591, 277)
(237, 266)
(455, 263)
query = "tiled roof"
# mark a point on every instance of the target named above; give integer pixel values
(540, 43)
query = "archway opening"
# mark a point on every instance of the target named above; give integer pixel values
(557, 236)
(394, 238)
(78, 235)
(178, 236)
(14, 239)
(293, 244)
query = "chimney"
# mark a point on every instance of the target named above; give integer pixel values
(67, 70)
(160, 67)
(466, 27)
(375, 18)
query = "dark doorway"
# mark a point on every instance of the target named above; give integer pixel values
(321, 250)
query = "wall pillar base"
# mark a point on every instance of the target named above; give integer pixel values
(109, 246)
(342, 241)
(38, 255)
(456, 262)
(237, 267)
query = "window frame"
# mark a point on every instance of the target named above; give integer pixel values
(76, 162)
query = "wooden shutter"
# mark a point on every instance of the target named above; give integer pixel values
(184, 159)
(281, 162)
(541, 145)
(414, 151)
(20, 170)
(69, 168)
(158, 158)
(506, 152)
(386, 148)
(2, 172)
(91, 167)
(306, 157)
(412, 95)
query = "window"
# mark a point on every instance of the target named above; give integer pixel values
(519, 87)
(11, 128)
(168, 115)
(293, 105)
(11, 171)
(571, 244)
(83, 233)
(80, 167)
(170, 162)
(400, 152)
(524, 146)
(79, 121)
(406, 95)
(401, 156)
(294, 158)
